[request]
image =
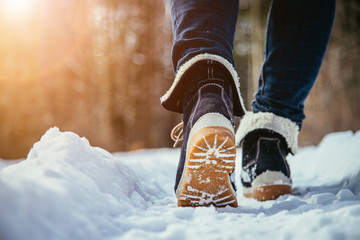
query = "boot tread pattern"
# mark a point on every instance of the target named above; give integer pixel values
(210, 160)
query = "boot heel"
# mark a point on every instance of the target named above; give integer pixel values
(270, 185)
(210, 159)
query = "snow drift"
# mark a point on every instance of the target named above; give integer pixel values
(66, 189)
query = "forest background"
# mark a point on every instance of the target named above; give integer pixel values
(98, 68)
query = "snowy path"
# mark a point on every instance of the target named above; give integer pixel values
(66, 189)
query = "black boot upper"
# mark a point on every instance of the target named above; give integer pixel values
(207, 93)
(263, 150)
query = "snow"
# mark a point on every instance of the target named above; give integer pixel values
(67, 189)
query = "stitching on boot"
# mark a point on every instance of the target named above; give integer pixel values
(226, 105)
(196, 106)
(198, 101)
(208, 70)
(283, 157)
(191, 119)
(278, 147)
(258, 145)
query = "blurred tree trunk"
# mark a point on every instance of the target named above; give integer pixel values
(138, 73)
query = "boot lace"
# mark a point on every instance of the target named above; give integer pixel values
(177, 133)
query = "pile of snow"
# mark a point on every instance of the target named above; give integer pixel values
(66, 189)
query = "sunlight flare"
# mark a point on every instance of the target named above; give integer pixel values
(17, 8)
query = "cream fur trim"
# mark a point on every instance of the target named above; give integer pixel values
(285, 127)
(198, 58)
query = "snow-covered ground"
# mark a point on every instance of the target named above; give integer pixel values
(66, 189)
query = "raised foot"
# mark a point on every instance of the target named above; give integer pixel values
(210, 159)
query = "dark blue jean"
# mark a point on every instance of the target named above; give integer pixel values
(296, 39)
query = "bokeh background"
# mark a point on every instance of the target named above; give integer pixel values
(99, 67)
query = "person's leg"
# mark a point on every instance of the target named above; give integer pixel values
(297, 36)
(206, 92)
(203, 33)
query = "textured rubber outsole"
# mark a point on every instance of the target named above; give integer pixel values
(210, 159)
(270, 192)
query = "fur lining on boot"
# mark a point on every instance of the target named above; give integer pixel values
(170, 100)
(266, 120)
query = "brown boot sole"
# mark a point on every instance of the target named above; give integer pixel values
(210, 159)
(270, 192)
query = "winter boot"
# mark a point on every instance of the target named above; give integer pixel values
(266, 141)
(208, 152)
(206, 91)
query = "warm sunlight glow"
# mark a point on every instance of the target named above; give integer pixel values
(17, 8)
